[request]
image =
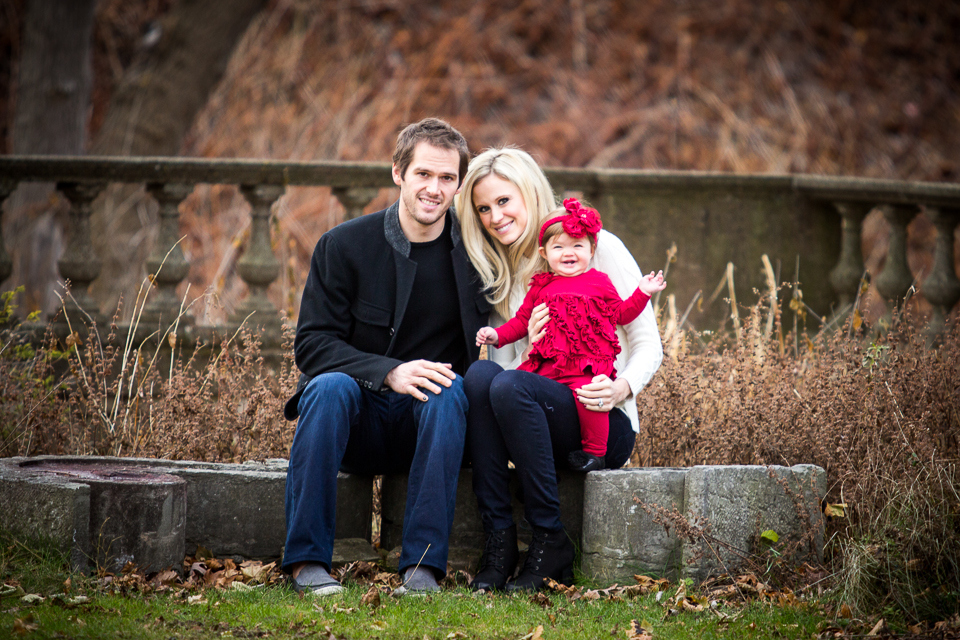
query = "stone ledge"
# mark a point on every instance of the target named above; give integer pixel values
(740, 502)
(467, 529)
(620, 538)
(238, 510)
(231, 509)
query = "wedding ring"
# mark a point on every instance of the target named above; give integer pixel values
(600, 404)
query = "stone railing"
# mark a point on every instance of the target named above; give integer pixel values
(714, 219)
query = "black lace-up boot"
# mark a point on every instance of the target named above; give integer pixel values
(550, 556)
(499, 560)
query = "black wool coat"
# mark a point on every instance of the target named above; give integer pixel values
(355, 297)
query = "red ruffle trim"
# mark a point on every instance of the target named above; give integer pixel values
(541, 279)
(583, 334)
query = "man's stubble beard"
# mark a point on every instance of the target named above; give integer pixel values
(411, 203)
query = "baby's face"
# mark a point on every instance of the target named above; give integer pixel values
(567, 256)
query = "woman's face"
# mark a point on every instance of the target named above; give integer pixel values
(501, 208)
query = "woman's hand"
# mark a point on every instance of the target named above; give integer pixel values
(603, 394)
(538, 321)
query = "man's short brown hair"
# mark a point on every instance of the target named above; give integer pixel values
(436, 132)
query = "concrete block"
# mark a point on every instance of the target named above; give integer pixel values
(231, 509)
(740, 502)
(464, 559)
(103, 514)
(233, 512)
(467, 531)
(137, 518)
(55, 509)
(347, 550)
(239, 509)
(620, 538)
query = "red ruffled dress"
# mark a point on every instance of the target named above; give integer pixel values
(580, 340)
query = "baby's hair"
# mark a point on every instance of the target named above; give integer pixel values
(556, 229)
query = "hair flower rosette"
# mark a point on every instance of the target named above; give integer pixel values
(580, 221)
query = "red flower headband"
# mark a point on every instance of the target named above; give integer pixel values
(577, 222)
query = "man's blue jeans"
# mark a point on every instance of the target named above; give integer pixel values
(346, 428)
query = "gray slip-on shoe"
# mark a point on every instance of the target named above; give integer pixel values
(418, 581)
(314, 579)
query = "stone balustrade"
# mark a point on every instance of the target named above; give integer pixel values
(714, 218)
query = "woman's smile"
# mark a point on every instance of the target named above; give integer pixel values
(501, 208)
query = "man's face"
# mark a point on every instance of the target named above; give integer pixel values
(427, 190)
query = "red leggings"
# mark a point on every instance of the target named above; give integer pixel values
(594, 425)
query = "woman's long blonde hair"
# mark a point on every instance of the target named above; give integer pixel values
(501, 266)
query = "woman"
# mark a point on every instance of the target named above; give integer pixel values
(520, 416)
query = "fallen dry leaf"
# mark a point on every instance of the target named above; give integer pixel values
(877, 628)
(167, 577)
(639, 630)
(652, 584)
(23, 626)
(541, 599)
(336, 608)
(689, 604)
(371, 597)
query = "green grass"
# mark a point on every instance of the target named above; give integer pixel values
(278, 612)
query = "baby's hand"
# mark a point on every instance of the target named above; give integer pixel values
(650, 284)
(487, 335)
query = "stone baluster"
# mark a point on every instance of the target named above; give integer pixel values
(895, 280)
(845, 277)
(79, 263)
(166, 263)
(354, 199)
(6, 264)
(942, 288)
(259, 266)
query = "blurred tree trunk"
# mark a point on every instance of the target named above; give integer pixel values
(151, 110)
(159, 96)
(52, 100)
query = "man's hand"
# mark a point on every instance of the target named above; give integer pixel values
(538, 320)
(487, 335)
(409, 377)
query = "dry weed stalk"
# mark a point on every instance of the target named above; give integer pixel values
(225, 408)
(879, 411)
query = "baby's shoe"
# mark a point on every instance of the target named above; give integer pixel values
(583, 462)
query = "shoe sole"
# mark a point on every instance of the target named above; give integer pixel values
(327, 590)
(319, 590)
(566, 579)
(403, 591)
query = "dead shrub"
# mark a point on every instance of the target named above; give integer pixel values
(880, 411)
(114, 397)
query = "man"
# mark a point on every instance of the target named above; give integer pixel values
(387, 326)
